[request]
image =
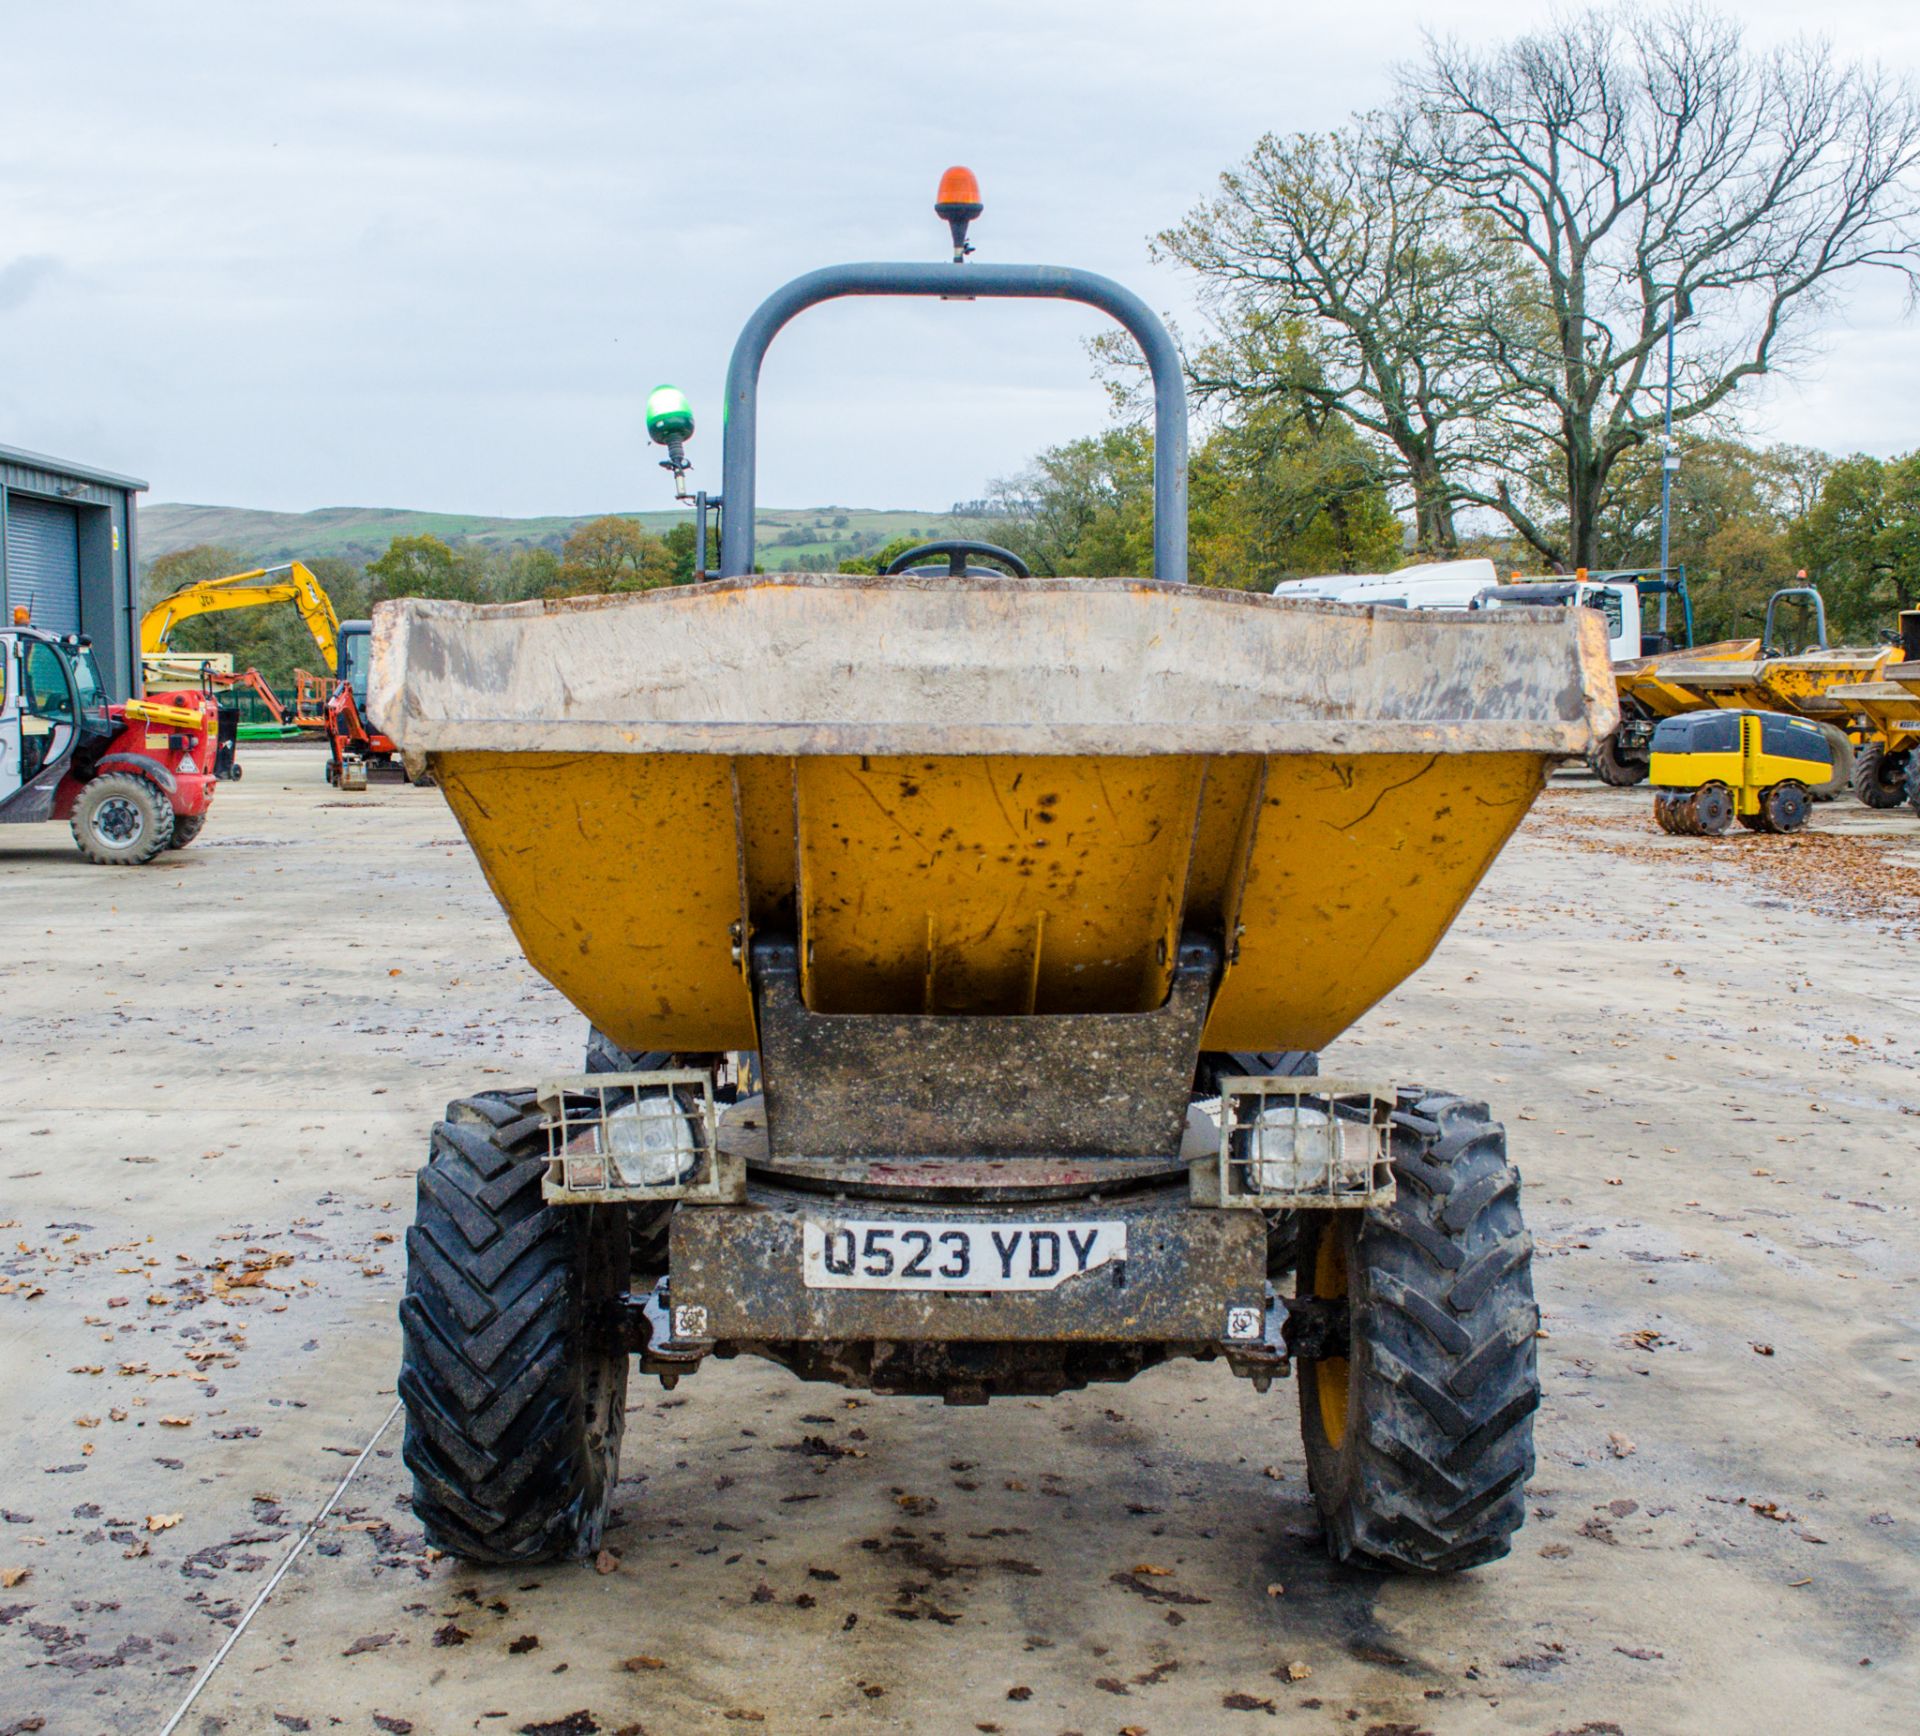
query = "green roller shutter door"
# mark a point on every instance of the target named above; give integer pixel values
(43, 561)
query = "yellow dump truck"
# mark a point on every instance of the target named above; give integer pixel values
(1885, 713)
(957, 944)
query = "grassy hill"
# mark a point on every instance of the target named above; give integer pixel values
(359, 533)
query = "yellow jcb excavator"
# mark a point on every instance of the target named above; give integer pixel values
(329, 705)
(293, 583)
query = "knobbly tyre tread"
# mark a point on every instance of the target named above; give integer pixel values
(1443, 1377)
(159, 829)
(1913, 779)
(515, 1400)
(186, 828)
(1610, 766)
(604, 1055)
(1880, 780)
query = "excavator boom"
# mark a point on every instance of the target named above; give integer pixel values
(292, 583)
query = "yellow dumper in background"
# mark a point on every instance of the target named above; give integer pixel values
(958, 942)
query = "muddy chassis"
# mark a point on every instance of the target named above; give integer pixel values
(860, 1203)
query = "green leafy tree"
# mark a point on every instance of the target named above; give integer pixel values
(1272, 494)
(530, 571)
(424, 566)
(1861, 543)
(680, 545)
(611, 554)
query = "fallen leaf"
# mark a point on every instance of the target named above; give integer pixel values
(367, 1643)
(1296, 1672)
(524, 1644)
(643, 1662)
(12, 1576)
(451, 1635)
(1619, 1446)
(1020, 1693)
(1763, 1350)
(1245, 1703)
(162, 1521)
(176, 1422)
(1154, 1572)
(606, 1562)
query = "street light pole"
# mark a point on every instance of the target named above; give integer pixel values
(1669, 463)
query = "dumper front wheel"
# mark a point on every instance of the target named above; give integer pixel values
(1419, 1437)
(513, 1378)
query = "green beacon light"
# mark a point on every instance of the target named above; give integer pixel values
(670, 424)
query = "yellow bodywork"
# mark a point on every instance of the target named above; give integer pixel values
(1748, 772)
(982, 883)
(167, 716)
(1800, 686)
(255, 589)
(1886, 710)
(1643, 681)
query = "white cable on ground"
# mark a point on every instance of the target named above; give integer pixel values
(279, 1573)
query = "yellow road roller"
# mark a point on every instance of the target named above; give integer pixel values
(957, 944)
(1710, 768)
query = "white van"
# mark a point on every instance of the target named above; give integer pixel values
(1475, 584)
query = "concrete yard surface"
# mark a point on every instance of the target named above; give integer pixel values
(217, 1075)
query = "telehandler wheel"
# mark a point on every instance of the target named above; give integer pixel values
(186, 828)
(1913, 779)
(1879, 777)
(1611, 766)
(1420, 1439)
(514, 1383)
(121, 820)
(1784, 807)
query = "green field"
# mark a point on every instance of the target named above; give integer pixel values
(813, 536)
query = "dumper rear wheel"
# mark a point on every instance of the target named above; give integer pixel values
(1420, 1438)
(1879, 777)
(514, 1381)
(1611, 766)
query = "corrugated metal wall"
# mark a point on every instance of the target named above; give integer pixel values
(43, 561)
(67, 549)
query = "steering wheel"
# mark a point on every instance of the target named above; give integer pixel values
(957, 550)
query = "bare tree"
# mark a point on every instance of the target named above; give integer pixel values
(1337, 277)
(1644, 164)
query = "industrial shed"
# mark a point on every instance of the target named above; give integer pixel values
(66, 552)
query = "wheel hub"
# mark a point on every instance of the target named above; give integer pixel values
(119, 822)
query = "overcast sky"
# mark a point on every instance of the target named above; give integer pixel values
(435, 255)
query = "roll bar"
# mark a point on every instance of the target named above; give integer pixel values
(957, 282)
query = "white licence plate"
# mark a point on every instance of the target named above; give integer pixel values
(873, 1254)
